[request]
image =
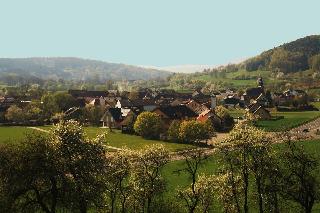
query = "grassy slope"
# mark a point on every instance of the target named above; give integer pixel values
(13, 134)
(116, 139)
(239, 83)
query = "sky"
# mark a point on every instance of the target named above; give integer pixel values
(153, 32)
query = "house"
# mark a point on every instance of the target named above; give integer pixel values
(291, 98)
(87, 94)
(170, 113)
(231, 101)
(128, 121)
(144, 104)
(111, 96)
(6, 102)
(196, 107)
(254, 93)
(258, 111)
(112, 118)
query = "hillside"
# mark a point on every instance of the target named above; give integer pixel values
(294, 64)
(289, 57)
(74, 69)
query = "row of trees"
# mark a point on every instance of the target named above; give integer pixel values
(51, 108)
(149, 125)
(67, 171)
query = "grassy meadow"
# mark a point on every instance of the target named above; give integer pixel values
(290, 120)
(115, 138)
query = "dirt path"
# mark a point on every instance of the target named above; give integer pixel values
(38, 129)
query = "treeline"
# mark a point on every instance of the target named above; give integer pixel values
(50, 108)
(66, 171)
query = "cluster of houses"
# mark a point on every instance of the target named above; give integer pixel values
(121, 109)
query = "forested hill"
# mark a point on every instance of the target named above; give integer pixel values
(74, 69)
(295, 56)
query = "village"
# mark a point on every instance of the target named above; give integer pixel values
(119, 110)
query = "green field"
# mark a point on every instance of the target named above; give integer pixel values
(290, 120)
(231, 78)
(13, 134)
(115, 138)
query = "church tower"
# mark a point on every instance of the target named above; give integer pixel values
(260, 82)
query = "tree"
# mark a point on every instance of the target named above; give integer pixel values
(56, 103)
(245, 152)
(194, 131)
(201, 188)
(118, 187)
(33, 111)
(15, 114)
(93, 114)
(299, 176)
(288, 61)
(64, 101)
(314, 63)
(223, 113)
(173, 131)
(148, 125)
(49, 106)
(30, 177)
(83, 164)
(146, 179)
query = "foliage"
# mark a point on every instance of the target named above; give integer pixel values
(82, 161)
(223, 113)
(200, 191)
(194, 131)
(289, 57)
(30, 176)
(148, 125)
(118, 187)
(314, 63)
(15, 114)
(146, 179)
(173, 131)
(299, 176)
(245, 152)
(286, 61)
(93, 114)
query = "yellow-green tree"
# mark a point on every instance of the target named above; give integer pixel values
(148, 125)
(246, 152)
(194, 131)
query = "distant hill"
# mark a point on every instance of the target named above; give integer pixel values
(68, 68)
(289, 57)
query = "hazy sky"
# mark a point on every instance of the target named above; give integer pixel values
(153, 32)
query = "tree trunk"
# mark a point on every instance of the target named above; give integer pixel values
(260, 199)
(245, 188)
